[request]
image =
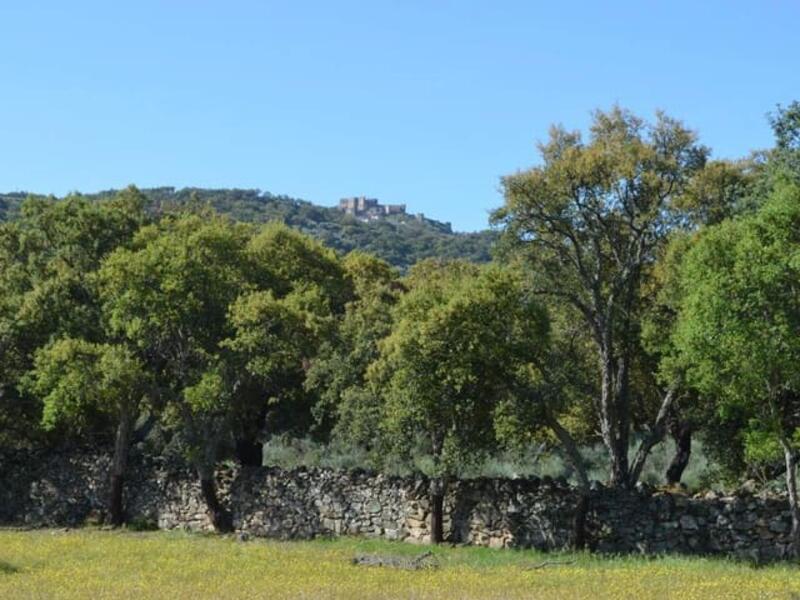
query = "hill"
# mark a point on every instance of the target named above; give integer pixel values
(400, 239)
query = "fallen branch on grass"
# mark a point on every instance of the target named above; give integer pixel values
(426, 560)
(548, 563)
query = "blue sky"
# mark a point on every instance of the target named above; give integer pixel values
(422, 102)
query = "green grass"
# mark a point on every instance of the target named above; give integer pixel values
(101, 564)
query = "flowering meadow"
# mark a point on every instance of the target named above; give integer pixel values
(88, 563)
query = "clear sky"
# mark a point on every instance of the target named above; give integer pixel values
(426, 102)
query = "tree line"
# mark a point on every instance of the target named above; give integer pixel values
(400, 240)
(641, 290)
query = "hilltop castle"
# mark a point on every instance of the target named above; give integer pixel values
(368, 209)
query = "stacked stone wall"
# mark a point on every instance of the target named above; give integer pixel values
(70, 488)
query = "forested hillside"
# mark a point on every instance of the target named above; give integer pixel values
(401, 240)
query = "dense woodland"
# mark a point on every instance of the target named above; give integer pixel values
(401, 240)
(641, 291)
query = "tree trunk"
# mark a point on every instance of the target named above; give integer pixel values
(621, 475)
(682, 434)
(220, 518)
(791, 487)
(579, 522)
(250, 453)
(614, 417)
(606, 412)
(654, 437)
(437, 491)
(119, 465)
(619, 468)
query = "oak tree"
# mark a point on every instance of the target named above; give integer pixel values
(589, 220)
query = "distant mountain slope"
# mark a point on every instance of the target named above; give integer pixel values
(401, 240)
(9, 204)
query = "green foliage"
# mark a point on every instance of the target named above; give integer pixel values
(760, 444)
(786, 126)
(78, 380)
(269, 333)
(338, 374)
(48, 260)
(209, 396)
(718, 191)
(229, 317)
(142, 524)
(169, 293)
(462, 337)
(737, 329)
(288, 260)
(589, 222)
(782, 162)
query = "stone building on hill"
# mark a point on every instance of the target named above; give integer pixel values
(369, 209)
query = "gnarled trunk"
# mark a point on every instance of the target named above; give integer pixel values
(682, 434)
(654, 436)
(220, 518)
(119, 465)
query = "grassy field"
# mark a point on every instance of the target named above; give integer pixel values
(100, 564)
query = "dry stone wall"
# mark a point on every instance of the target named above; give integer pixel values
(69, 488)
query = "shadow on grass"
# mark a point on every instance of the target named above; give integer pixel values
(7, 568)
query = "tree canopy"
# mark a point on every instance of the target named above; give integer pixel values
(590, 220)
